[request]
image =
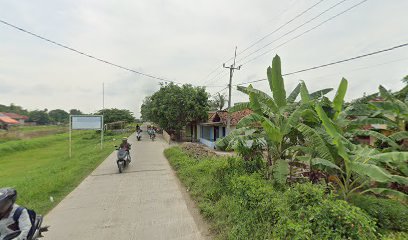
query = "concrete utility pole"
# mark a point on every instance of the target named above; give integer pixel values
(231, 68)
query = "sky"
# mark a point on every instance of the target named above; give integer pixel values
(184, 41)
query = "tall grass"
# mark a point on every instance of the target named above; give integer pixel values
(40, 168)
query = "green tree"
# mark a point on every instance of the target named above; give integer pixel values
(75, 112)
(218, 102)
(173, 106)
(13, 109)
(40, 117)
(59, 116)
(115, 115)
(405, 79)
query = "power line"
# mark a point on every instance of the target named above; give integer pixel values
(332, 63)
(269, 34)
(83, 53)
(307, 31)
(293, 30)
(287, 33)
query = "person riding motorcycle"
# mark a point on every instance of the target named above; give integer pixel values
(125, 145)
(8, 207)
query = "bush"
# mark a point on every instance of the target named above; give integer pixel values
(240, 205)
(390, 214)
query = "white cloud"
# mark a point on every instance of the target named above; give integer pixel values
(184, 40)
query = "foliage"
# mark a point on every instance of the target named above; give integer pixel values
(115, 115)
(40, 167)
(276, 116)
(59, 116)
(389, 214)
(218, 102)
(40, 117)
(75, 112)
(246, 206)
(173, 106)
(12, 108)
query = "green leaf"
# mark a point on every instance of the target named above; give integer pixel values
(304, 93)
(272, 131)
(391, 157)
(384, 93)
(371, 121)
(239, 107)
(316, 140)
(320, 93)
(254, 103)
(399, 179)
(250, 120)
(276, 82)
(339, 98)
(327, 123)
(324, 162)
(372, 171)
(388, 192)
(281, 171)
(294, 94)
(261, 96)
(377, 135)
(293, 119)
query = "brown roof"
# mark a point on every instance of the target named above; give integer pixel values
(222, 116)
(8, 120)
(15, 116)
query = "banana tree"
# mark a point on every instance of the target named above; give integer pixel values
(359, 165)
(276, 116)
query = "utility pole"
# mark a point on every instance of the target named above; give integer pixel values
(232, 68)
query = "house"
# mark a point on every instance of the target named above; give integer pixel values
(5, 121)
(20, 118)
(216, 126)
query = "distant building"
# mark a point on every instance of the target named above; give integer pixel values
(19, 118)
(216, 126)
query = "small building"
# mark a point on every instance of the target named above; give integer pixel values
(5, 121)
(20, 118)
(216, 126)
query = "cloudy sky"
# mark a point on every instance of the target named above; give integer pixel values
(184, 41)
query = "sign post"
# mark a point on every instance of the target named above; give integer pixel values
(85, 122)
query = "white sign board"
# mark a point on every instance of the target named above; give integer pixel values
(87, 122)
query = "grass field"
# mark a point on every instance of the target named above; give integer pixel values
(40, 167)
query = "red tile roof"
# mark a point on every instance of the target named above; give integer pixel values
(222, 116)
(15, 116)
(8, 120)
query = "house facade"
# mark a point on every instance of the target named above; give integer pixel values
(216, 126)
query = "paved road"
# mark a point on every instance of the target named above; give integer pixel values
(144, 202)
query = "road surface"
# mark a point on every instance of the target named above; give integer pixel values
(144, 202)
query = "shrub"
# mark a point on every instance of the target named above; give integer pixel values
(390, 214)
(240, 205)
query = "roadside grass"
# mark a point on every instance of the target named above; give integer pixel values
(242, 205)
(40, 168)
(29, 132)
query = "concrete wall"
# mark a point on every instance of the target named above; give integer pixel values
(166, 137)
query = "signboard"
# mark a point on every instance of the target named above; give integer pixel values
(87, 122)
(84, 122)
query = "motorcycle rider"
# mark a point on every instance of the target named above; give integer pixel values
(8, 207)
(125, 145)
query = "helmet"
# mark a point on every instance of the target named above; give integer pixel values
(124, 139)
(8, 197)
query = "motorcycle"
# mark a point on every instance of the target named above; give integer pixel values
(139, 136)
(37, 232)
(153, 136)
(123, 159)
